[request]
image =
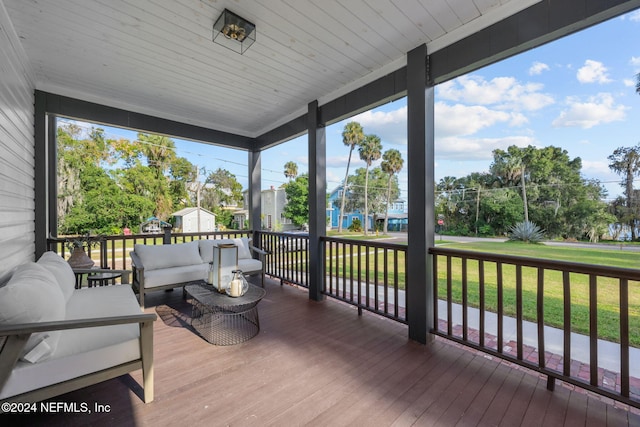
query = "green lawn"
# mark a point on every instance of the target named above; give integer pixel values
(608, 295)
(610, 257)
(608, 298)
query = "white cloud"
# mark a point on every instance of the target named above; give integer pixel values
(470, 149)
(390, 126)
(635, 62)
(593, 72)
(341, 161)
(598, 109)
(634, 16)
(450, 120)
(591, 167)
(629, 82)
(502, 92)
(537, 68)
(463, 120)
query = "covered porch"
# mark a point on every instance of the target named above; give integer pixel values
(315, 360)
(321, 364)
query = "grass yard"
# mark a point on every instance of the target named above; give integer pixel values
(608, 292)
(608, 295)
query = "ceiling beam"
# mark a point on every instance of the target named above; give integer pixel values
(110, 116)
(539, 24)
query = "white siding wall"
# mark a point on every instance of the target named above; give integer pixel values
(17, 235)
(190, 222)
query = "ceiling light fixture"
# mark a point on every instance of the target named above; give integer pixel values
(234, 32)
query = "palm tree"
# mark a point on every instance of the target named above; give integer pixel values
(370, 150)
(290, 170)
(625, 161)
(512, 166)
(352, 135)
(392, 163)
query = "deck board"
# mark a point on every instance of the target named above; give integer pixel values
(319, 363)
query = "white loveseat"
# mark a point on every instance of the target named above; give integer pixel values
(56, 338)
(161, 267)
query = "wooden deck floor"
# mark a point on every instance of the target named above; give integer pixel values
(320, 364)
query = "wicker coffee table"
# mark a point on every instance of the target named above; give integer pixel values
(221, 319)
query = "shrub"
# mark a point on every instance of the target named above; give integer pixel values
(356, 225)
(526, 231)
(485, 230)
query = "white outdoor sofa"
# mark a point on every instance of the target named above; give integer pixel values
(55, 338)
(162, 267)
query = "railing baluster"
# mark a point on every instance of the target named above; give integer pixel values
(306, 261)
(366, 270)
(500, 307)
(360, 284)
(449, 303)
(344, 270)
(593, 329)
(396, 285)
(376, 293)
(385, 280)
(350, 272)
(297, 253)
(624, 337)
(331, 267)
(566, 285)
(327, 268)
(465, 300)
(436, 316)
(519, 318)
(481, 301)
(540, 318)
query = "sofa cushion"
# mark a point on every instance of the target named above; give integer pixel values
(61, 270)
(167, 276)
(206, 247)
(154, 257)
(102, 301)
(86, 350)
(249, 265)
(32, 295)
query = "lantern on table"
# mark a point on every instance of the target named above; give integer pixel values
(225, 261)
(238, 285)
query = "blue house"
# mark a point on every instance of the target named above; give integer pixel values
(398, 218)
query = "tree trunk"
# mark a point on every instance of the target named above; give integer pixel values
(477, 209)
(386, 214)
(630, 202)
(524, 196)
(344, 191)
(366, 201)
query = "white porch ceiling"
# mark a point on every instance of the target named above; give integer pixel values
(156, 57)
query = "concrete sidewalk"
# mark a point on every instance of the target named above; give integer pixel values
(608, 352)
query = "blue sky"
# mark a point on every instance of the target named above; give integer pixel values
(577, 93)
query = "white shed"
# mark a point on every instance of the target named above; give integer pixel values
(194, 220)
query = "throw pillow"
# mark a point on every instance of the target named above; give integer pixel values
(62, 272)
(32, 296)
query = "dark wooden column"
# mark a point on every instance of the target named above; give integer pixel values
(317, 201)
(420, 151)
(255, 192)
